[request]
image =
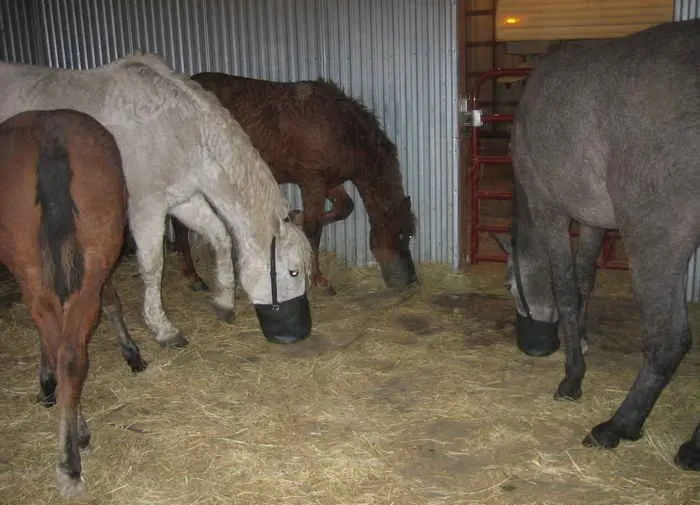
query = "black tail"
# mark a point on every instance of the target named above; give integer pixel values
(63, 259)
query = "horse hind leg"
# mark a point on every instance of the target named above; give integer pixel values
(657, 275)
(688, 457)
(112, 310)
(197, 214)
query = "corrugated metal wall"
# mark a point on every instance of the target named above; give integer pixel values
(398, 56)
(690, 9)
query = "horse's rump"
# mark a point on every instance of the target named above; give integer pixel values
(627, 109)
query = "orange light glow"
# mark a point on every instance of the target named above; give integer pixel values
(512, 20)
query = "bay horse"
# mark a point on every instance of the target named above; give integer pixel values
(608, 136)
(184, 155)
(313, 135)
(62, 218)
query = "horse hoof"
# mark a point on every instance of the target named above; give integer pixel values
(225, 314)
(688, 457)
(198, 285)
(176, 341)
(46, 400)
(69, 487)
(607, 436)
(329, 291)
(135, 362)
(569, 390)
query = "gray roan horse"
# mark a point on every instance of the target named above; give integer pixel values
(610, 138)
(183, 154)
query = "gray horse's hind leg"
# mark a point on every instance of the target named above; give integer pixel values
(688, 456)
(198, 215)
(657, 274)
(148, 230)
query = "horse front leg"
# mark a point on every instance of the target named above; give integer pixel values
(197, 214)
(566, 294)
(112, 310)
(148, 229)
(589, 244)
(314, 199)
(184, 251)
(342, 205)
(657, 278)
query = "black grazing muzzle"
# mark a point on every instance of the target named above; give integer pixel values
(534, 338)
(283, 322)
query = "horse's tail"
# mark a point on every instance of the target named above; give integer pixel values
(62, 256)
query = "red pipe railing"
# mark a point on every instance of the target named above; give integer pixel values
(478, 160)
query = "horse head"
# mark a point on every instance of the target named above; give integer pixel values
(390, 240)
(277, 282)
(528, 282)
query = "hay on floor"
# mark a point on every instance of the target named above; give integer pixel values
(415, 399)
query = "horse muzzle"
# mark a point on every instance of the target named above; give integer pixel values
(536, 338)
(286, 322)
(398, 272)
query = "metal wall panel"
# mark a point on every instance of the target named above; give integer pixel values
(686, 9)
(690, 9)
(398, 56)
(19, 33)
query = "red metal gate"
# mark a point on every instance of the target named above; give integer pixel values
(478, 161)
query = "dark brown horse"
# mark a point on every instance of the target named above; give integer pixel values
(313, 135)
(62, 217)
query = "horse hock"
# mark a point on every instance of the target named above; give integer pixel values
(285, 322)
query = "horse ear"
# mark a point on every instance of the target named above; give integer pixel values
(503, 243)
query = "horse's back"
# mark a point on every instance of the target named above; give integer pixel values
(599, 124)
(312, 125)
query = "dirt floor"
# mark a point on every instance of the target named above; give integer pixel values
(416, 399)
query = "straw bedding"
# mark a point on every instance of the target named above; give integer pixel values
(412, 399)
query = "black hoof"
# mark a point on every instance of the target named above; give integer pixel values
(198, 285)
(176, 341)
(224, 314)
(47, 400)
(329, 291)
(135, 361)
(569, 389)
(688, 457)
(606, 436)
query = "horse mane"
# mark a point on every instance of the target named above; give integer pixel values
(370, 133)
(227, 143)
(373, 130)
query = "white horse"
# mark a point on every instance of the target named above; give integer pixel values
(183, 154)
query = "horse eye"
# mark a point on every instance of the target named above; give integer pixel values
(294, 273)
